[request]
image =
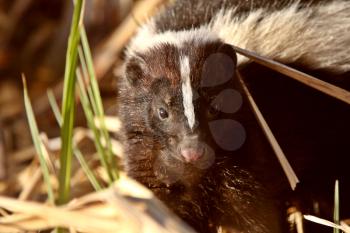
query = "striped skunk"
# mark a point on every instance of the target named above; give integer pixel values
(188, 132)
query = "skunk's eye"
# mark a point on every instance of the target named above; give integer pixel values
(163, 114)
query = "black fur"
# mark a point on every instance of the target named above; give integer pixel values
(224, 194)
(236, 192)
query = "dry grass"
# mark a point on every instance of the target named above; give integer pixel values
(124, 207)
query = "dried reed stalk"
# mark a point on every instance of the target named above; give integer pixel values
(306, 79)
(287, 168)
(343, 226)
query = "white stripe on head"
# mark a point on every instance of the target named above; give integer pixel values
(187, 95)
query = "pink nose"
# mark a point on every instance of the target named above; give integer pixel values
(191, 155)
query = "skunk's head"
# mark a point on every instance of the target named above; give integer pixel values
(184, 90)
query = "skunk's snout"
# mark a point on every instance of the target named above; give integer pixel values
(192, 154)
(191, 148)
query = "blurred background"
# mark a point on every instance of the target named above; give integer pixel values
(33, 41)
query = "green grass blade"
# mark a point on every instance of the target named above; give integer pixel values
(54, 107)
(37, 142)
(88, 172)
(86, 80)
(68, 105)
(91, 71)
(336, 206)
(90, 175)
(97, 101)
(90, 120)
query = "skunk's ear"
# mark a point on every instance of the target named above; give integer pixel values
(135, 70)
(219, 67)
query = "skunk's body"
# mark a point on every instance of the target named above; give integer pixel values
(312, 33)
(169, 142)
